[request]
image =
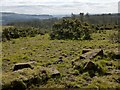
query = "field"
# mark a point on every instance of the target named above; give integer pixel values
(46, 52)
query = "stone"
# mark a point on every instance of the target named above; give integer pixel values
(92, 54)
(60, 57)
(22, 66)
(90, 66)
(24, 78)
(64, 55)
(14, 85)
(53, 72)
(58, 61)
(109, 64)
(86, 50)
(18, 85)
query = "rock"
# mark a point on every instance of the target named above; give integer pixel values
(60, 57)
(103, 38)
(54, 72)
(24, 78)
(22, 65)
(117, 55)
(90, 66)
(18, 85)
(64, 55)
(58, 61)
(86, 50)
(43, 71)
(92, 54)
(109, 64)
(14, 85)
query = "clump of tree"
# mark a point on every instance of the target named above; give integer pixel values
(72, 29)
(41, 24)
(16, 32)
(105, 27)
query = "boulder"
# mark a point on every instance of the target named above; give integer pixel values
(90, 66)
(14, 85)
(18, 85)
(22, 66)
(24, 78)
(86, 50)
(92, 54)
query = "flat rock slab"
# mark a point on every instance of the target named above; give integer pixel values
(22, 66)
(86, 50)
(92, 54)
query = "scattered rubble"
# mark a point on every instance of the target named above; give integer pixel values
(23, 78)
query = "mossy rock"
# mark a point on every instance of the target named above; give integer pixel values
(24, 77)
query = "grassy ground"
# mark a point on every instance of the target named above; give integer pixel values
(45, 52)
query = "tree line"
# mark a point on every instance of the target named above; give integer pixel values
(76, 27)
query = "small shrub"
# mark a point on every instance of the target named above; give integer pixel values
(16, 32)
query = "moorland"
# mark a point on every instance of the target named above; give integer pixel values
(53, 48)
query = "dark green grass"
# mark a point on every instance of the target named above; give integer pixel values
(45, 52)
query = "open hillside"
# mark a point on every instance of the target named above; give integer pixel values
(69, 52)
(64, 56)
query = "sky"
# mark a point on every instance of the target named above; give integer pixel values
(56, 7)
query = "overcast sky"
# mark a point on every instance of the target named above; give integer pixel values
(59, 6)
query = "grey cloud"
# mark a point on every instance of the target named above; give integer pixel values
(63, 8)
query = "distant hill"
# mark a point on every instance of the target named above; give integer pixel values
(12, 17)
